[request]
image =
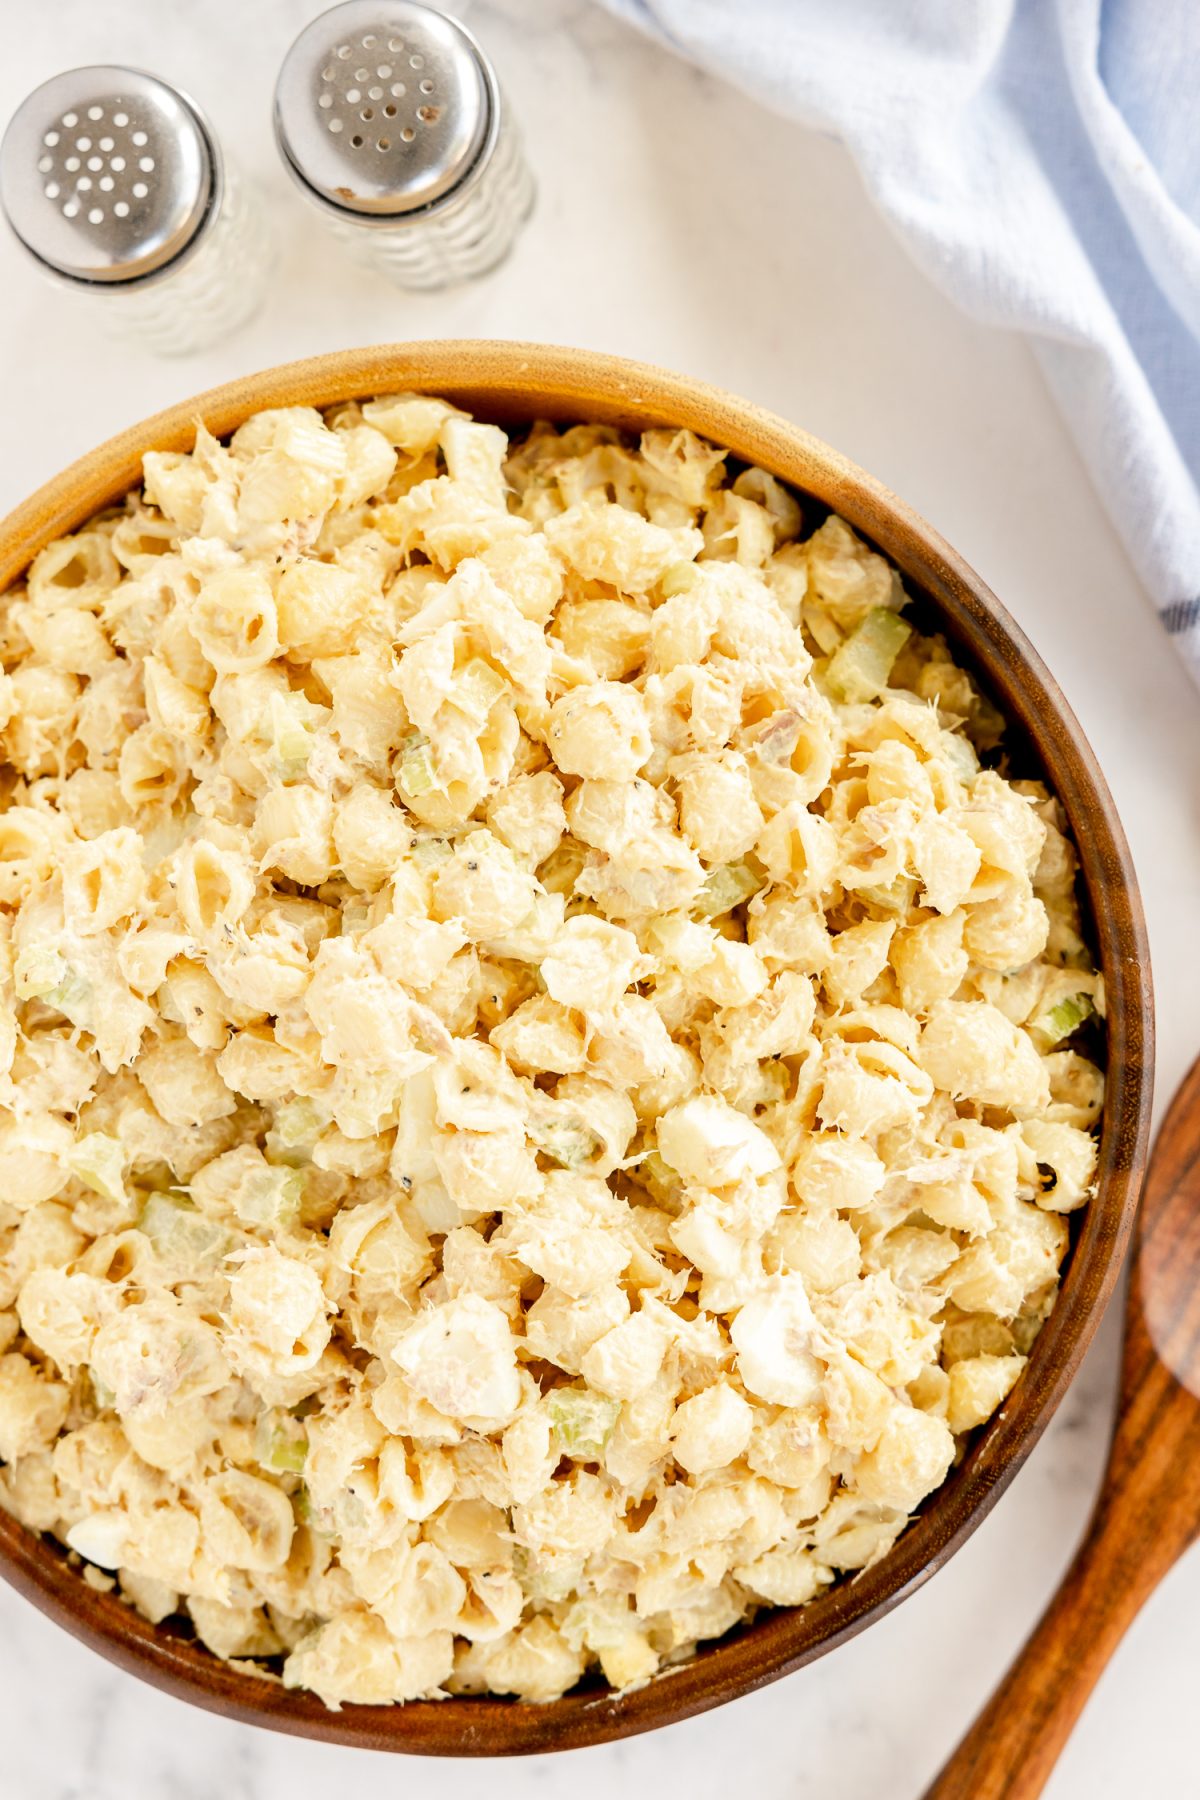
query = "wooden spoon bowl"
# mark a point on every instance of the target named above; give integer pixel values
(512, 383)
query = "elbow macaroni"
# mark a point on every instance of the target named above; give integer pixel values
(537, 1092)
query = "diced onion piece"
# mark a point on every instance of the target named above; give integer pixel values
(960, 753)
(101, 1537)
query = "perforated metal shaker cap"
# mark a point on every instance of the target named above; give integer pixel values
(107, 174)
(384, 110)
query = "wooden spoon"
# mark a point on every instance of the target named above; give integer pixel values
(1148, 1512)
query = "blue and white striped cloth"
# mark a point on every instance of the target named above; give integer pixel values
(1041, 161)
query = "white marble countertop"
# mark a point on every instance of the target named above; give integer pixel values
(679, 224)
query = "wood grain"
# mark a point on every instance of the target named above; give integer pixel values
(1148, 1512)
(512, 382)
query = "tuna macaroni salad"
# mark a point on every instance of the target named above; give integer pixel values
(537, 1088)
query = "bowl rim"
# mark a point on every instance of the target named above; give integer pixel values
(511, 381)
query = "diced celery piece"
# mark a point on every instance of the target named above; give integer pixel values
(482, 843)
(73, 998)
(417, 774)
(477, 688)
(1066, 1017)
(38, 970)
(293, 721)
(294, 1130)
(725, 888)
(569, 1142)
(280, 1442)
(427, 852)
(183, 1238)
(270, 1197)
(896, 897)
(859, 670)
(582, 1421)
(99, 1162)
(288, 1454)
(659, 1179)
(42, 972)
(678, 579)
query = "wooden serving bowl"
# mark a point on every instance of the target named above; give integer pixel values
(513, 383)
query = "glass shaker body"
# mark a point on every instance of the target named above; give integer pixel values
(116, 186)
(391, 121)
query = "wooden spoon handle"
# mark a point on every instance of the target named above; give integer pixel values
(1135, 1534)
(1013, 1745)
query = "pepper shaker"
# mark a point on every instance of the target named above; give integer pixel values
(390, 119)
(115, 184)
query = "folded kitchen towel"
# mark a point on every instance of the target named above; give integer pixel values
(1041, 160)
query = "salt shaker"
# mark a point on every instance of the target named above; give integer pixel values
(115, 184)
(390, 118)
